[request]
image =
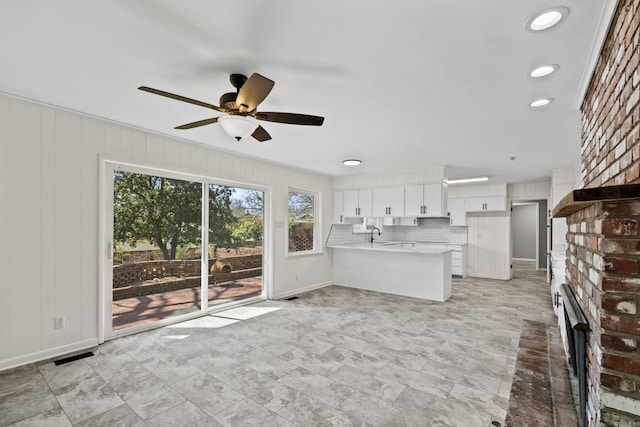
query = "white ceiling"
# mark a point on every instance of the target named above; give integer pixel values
(402, 84)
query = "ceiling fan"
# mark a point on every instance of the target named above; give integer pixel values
(240, 106)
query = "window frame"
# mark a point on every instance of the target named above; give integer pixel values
(317, 249)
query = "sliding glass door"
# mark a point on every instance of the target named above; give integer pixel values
(159, 225)
(236, 233)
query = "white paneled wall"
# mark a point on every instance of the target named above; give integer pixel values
(49, 220)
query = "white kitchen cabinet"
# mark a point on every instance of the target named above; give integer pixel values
(388, 202)
(488, 243)
(485, 204)
(338, 207)
(358, 203)
(428, 200)
(458, 260)
(400, 221)
(457, 212)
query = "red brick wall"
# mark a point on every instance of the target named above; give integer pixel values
(603, 240)
(127, 274)
(611, 109)
(603, 257)
(603, 269)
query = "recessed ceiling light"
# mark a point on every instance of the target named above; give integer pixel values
(541, 102)
(351, 162)
(547, 18)
(543, 70)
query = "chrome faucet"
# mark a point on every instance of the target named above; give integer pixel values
(372, 230)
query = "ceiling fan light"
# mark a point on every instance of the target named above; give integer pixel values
(238, 126)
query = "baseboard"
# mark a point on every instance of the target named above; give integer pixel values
(47, 354)
(302, 290)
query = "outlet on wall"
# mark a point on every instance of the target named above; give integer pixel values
(59, 322)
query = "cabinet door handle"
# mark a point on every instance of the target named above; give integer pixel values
(340, 218)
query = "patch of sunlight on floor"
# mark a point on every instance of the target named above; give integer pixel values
(245, 312)
(208, 322)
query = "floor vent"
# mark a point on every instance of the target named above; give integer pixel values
(73, 358)
(290, 298)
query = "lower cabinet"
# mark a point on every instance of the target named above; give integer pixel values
(458, 260)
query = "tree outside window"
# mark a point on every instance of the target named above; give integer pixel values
(302, 213)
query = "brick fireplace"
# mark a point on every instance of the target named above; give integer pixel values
(603, 239)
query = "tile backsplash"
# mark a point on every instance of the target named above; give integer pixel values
(436, 230)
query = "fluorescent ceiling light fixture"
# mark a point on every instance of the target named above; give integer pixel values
(541, 102)
(544, 70)
(547, 18)
(351, 162)
(238, 126)
(466, 180)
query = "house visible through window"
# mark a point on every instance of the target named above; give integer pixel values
(302, 227)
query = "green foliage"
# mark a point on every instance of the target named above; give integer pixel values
(221, 218)
(168, 212)
(248, 229)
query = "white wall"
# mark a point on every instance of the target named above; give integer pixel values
(397, 178)
(49, 196)
(563, 181)
(524, 226)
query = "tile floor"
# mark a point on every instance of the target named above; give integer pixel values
(333, 357)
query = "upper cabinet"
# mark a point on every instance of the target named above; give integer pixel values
(388, 202)
(338, 207)
(485, 204)
(456, 212)
(358, 203)
(425, 200)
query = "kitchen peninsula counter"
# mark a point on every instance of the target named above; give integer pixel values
(411, 269)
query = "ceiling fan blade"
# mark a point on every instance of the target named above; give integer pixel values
(198, 123)
(253, 92)
(290, 118)
(181, 98)
(261, 134)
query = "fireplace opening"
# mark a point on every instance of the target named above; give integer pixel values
(577, 328)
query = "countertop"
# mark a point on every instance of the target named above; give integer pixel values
(397, 246)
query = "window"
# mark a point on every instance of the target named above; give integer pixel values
(302, 217)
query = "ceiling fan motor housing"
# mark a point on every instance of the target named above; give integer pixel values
(228, 100)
